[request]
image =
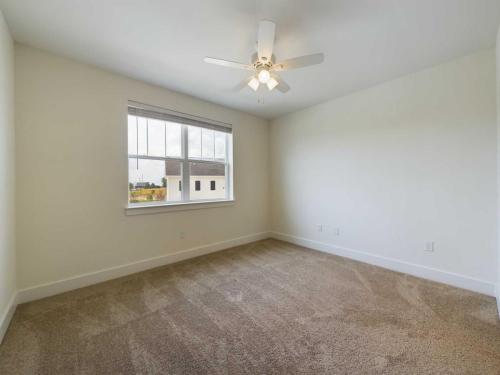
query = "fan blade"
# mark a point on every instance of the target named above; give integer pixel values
(299, 62)
(227, 63)
(265, 40)
(282, 85)
(240, 86)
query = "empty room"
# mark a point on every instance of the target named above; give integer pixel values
(249, 187)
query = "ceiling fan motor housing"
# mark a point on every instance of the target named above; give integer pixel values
(259, 65)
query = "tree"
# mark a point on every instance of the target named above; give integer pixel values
(130, 186)
(164, 182)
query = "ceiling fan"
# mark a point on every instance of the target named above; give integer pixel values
(263, 63)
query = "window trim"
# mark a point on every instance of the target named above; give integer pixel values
(151, 208)
(185, 204)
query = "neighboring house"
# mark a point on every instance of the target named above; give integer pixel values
(207, 181)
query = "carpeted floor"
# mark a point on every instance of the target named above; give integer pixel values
(264, 308)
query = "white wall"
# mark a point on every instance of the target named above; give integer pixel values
(394, 166)
(7, 176)
(72, 172)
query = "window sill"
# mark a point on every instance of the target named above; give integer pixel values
(139, 209)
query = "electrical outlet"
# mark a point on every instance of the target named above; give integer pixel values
(429, 246)
(319, 227)
(336, 231)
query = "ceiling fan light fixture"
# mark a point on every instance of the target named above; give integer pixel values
(272, 83)
(263, 62)
(254, 84)
(264, 76)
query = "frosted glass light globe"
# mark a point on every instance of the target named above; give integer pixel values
(264, 76)
(254, 84)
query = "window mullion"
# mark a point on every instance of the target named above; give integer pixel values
(185, 165)
(147, 136)
(201, 143)
(137, 141)
(154, 157)
(165, 131)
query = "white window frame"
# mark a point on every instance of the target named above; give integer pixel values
(186, 202)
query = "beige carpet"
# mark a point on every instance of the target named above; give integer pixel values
(264, 308)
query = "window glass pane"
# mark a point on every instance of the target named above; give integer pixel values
(220, 145)
(207, 144)
(174, 139)
(205, 174)
(142, 136)
(157, 150)
(154, 180)
(194, 142)
(132, 135)
(156, 137)
(145, 180)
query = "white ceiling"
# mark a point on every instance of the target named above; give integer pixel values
(163, 42)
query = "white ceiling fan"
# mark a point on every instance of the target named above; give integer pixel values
(263, 64)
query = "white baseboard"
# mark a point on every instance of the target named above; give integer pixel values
(80, 281)
(445, 277)
(7, 315)
(61, 286)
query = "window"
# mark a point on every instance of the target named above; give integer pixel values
(171, 155)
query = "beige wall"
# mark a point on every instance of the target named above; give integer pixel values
(72, 172)
(7, 176)
(397, 165)
(394, 166)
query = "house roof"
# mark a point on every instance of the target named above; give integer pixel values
(173, 168)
